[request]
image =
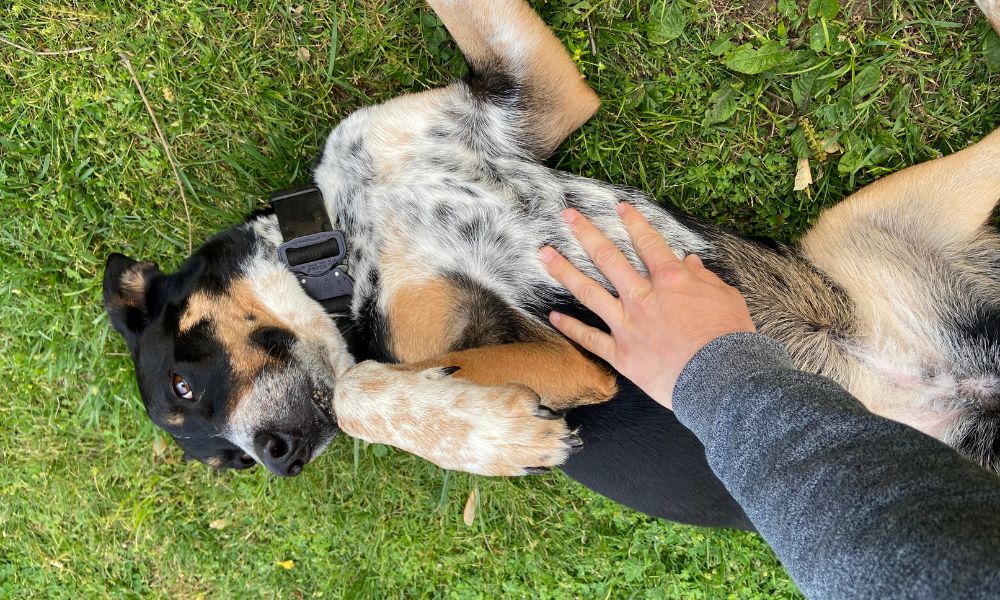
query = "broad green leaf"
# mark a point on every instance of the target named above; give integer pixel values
(865, 82)
(721, 45)
(750, 60)
(827, 9)
(991, 51)
(667, 19)
(721, 106)
(818, 35)
(800, 146)
(851, 162)
(803, 86)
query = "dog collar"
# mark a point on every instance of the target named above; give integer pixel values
(312, 248)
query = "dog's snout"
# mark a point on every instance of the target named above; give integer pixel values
(283, 454)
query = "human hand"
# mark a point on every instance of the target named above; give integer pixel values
(657, 323)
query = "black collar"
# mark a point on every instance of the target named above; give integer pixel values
(312, 249)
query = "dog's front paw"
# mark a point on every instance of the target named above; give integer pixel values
(456, 424)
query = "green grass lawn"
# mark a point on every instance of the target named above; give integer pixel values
(703, 106)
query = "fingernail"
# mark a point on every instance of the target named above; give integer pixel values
(568, 215)
(546, 254)
(555, 317)
(620, 207)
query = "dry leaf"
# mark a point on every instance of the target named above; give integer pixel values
(304, 54)
(830, 145)
(168, 94)
(286, 564)
(803, 176)
(218, 524)
(297, 10)
(469, 514)
(57, 564)
(159, 448)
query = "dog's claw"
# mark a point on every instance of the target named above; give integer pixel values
(544, 412)
(536, 470)
(449, 370)
(574, 442)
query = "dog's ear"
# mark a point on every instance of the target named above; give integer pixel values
(125, 285)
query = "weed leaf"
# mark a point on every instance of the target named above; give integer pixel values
(865, 82)
(721, 106)
(750, 60)
(666, 21)
(991, 51)
(827, 9)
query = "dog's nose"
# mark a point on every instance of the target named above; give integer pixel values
(281, 453)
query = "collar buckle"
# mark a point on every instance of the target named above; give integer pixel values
(316, 256)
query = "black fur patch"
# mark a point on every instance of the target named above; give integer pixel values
(274, 341)
(637, 453)
(489, 319)
(492, 83)
(981, 327)
(197, 343)
(367, 334)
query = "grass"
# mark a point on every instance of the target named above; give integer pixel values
(703, 103)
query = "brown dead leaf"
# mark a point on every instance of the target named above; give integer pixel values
(469, 514)
(303, 54)
(159, 448)
(803, 176)
(218, 524)
(830, 145)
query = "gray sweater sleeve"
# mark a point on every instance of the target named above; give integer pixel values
(854, 505)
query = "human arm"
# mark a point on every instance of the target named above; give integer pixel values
(853, 504)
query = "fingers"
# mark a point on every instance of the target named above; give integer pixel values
(606, 256)
(698, 269)
(594, 340)
(650, 245)
(590, 293)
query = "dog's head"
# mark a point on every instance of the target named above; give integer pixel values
(233, 360)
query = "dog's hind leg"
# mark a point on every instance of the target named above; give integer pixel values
(518, 65)
(944, 200)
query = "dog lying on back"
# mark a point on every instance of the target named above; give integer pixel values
(445, 350)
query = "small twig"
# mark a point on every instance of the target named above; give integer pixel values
(164, 144)
(45, 52)
(590, 34)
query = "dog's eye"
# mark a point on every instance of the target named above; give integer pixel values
(182, 389)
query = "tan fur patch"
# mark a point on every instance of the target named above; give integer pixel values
(134, 282)
(132, 291)
(420, 320)
(234, 316)
(175, 419)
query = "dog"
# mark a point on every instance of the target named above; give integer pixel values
(442, 347)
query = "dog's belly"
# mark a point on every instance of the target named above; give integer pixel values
(490, 228)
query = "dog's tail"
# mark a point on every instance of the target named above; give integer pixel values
(991, 8)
